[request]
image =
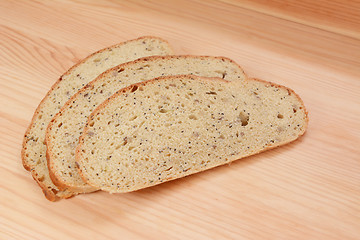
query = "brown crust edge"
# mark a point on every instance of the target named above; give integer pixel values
(54, 176)
(78, 155)
(63, 187)
(291, 92)
(49, 194)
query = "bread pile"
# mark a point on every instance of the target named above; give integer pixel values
(134, 115)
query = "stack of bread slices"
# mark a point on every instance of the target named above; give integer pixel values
(135, 115)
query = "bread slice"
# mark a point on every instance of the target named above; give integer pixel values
(34, 149)
(164, 129)
(65, 129)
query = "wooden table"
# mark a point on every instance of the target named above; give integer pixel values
(306, 190)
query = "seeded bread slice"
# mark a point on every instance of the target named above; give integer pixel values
(34, 149)
(164, 129)
(66, 127)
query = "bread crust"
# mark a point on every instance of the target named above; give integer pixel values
(78, 154)
(58, 179)
(291, 92)
(52, 195)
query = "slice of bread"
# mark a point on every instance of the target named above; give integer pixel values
(34, 149)
(65, 129)
(168, 128)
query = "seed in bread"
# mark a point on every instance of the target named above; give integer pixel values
(34, 149)
(164, 129)
(66, 127)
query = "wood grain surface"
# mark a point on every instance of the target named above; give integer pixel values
(309, 189)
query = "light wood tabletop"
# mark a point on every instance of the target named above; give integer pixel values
(309, 189)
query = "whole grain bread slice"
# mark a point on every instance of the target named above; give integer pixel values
(34, 149)
(168, 128)
(66, 127)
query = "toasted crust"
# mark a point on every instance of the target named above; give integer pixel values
(52, 193)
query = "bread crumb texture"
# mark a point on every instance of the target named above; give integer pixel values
(156, 131)
(66, 128)
(34, 148)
